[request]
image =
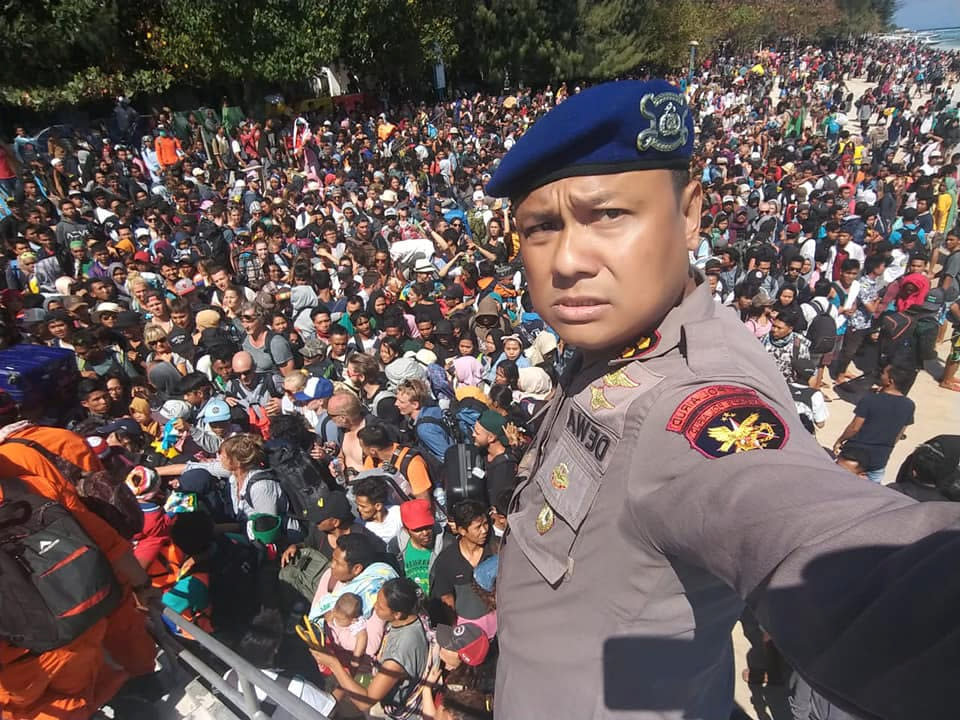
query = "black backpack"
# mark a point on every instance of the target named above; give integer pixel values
(55, 583)
(304, 481)
(822, 332)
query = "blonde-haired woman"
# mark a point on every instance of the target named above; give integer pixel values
(253, 488)
(158, 341)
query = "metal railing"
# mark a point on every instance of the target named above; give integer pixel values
(248, 676)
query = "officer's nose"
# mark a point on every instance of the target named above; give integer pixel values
(574, 257)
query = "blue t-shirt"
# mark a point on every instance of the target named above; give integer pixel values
(884, 417)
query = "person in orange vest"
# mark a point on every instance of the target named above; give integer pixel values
(71, 682)
(167, 148)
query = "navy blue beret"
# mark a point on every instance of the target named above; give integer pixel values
(609, 128)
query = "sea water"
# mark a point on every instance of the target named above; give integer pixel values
(948, 39)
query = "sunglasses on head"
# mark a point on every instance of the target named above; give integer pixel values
(249, 318)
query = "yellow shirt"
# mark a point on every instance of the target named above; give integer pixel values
(941, 211)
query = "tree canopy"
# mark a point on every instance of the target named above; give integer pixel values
(59, 52)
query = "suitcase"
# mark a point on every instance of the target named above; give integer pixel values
(40, 378)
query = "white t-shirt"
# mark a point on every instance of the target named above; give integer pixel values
(389, 528)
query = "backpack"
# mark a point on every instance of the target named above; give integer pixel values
(56, 581)
(103, 495)
(434, 467)
(822, 332)
(446, 421)
(467, 414)
(303, 480)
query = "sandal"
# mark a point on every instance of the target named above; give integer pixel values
(307, 633)
(955, 386)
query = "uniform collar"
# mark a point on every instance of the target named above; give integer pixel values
(695, 306)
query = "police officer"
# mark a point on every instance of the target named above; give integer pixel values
(672, 480)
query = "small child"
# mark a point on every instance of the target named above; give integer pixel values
(348, 626)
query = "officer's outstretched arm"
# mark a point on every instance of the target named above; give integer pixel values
(857, 584)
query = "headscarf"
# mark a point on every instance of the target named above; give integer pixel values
(534, 383)
(918, 296)
(122, 290)
(165, 378)
(497, 336)
(152, 428)
(468, 370)
(543, 344)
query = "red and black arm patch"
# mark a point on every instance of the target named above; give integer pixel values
(720, 420)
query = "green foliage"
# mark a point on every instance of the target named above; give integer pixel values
(65, 51)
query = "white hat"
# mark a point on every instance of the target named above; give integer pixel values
(388, 196)
(424, 266)
(197, 172)
(426, 357)
(110, 307)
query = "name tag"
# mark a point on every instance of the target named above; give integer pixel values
(591, 437)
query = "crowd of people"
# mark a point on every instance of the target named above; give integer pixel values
(307, 369)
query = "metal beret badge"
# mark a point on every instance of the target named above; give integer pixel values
(666, 112)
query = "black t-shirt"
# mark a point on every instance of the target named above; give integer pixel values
(453, 575)
(501, 476)
(884, 417)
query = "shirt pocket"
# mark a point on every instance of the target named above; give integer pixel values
(551, 509)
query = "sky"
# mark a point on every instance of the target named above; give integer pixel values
(924, 14)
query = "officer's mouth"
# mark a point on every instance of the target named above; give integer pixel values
(574, 309)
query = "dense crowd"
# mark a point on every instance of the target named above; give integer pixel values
(305, 369)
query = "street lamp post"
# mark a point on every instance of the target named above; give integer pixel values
(693, 57)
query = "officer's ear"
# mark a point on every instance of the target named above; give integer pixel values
(691, 203)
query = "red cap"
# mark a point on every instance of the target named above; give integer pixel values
(468, 640)
(142, 256)
(416, 514)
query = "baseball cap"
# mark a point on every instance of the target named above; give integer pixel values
(390, 212)
(184, 286)
(313, 347)
(486, 573)
(493, 423)
(467, 640)
(142, 256)
(334, 505)
(728, 199)
(416, 514)
(316, 388)
(123, 426)
(109, 307)
(216, 411)
(934, 300)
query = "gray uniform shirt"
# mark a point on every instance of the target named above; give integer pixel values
(666, 489)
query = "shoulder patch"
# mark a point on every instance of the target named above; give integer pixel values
(720, 420)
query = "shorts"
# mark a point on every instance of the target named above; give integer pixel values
(954, 356)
